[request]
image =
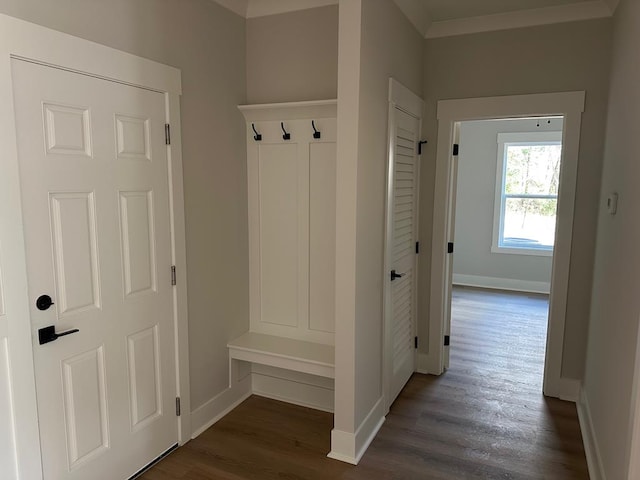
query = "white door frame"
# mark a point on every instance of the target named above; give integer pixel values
(633, 445)
(571, 106)
(402, 98)
(27, 41)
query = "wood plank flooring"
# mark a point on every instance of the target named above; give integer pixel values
(485, 418)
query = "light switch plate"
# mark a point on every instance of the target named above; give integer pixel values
(612, 203)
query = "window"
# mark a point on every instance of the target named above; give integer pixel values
(527, 182)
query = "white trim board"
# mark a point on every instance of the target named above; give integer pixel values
(297, 388)
(263, 8)
(290, 110)
(520, 19)
(34, 43)
(589, 439)
(351, 447)
(634, 434)
(497, 283)
(417, 13)
(206, 415)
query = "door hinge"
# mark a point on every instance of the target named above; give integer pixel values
(177, 406)
(173, 275)
(456, 149)
(417, 248)
(450, 247)
(420, 143)
(447, 340)
(167, 134)
(415, 342)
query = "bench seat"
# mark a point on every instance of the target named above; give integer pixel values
(281, 352)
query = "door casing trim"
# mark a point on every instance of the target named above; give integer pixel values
(568, 104)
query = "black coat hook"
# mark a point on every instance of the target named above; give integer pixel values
(287, 135)
(257, 137)
(316, 133)
(420, 143)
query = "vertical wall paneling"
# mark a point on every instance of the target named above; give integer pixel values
(278, 167)
(291, 188)
(322, 235)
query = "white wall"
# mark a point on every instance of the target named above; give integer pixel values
(609, 374)
(207, 42)
(388, 46)
(477, 164)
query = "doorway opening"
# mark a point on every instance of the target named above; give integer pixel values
(505, 199)
(540, 107)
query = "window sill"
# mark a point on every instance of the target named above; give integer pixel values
(536, 252)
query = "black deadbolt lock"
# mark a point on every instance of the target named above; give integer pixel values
(44, 302)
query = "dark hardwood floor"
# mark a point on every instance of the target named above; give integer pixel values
(485, 418)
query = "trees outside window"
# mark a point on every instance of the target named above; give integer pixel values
(527, 182)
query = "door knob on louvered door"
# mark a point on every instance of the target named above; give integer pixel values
(395, 275)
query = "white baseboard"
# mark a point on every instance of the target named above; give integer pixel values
(293, 387)
(569, 389)
(591, 449)
(209, 413)
(426, 365)
(350, 447)
(501, 283)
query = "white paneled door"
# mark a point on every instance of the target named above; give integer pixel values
(95, 195)
(401, 249)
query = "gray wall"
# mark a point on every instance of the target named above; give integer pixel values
(293, 56)
(475, 201)
(610, 375)
(563, 57)
(207, 42)
(391, 47)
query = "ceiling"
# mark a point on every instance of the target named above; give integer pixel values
(439, 18)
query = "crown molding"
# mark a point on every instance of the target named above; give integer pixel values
(416, 12)
(520, 19)
(262, 8)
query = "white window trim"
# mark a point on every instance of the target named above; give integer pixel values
(519, 138)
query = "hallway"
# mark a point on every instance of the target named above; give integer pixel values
(485, 418)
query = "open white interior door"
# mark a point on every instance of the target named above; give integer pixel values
(405, 113)
(95, 191)
(451, 222)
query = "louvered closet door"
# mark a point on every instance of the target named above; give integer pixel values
(404, 178)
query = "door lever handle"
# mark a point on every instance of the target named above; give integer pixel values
(48, 334)
(395, 275)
